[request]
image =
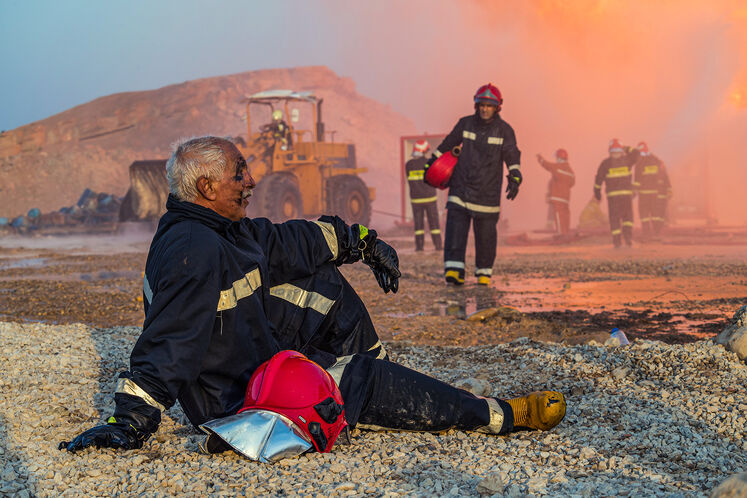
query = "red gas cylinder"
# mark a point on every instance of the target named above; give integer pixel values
(439, 173)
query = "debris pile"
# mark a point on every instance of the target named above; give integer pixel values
(93, 208)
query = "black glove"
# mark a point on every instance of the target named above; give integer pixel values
(111, 435)
(598, 194)
(357, 242)
(514, 180)
(353, 240)
(133, 422)
(384, 263)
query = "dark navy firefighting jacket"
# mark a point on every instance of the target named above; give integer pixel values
(476, 181)
(222, 297)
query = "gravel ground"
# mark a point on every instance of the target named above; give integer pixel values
(650, 419)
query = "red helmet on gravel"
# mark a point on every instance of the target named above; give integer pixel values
(561, 154)
(489, 94)
(294, 386)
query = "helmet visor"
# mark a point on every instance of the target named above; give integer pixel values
(260, 435)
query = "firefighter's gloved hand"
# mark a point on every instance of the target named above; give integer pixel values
(133, 422)
(384, 263)
(352, 240)
(112, 435)
(514, 180)
(597, 194)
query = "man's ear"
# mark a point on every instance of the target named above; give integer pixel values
(205, 187)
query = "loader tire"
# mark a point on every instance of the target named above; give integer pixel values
(276, 197)
(350, 199)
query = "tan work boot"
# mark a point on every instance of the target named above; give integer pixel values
(540, 410)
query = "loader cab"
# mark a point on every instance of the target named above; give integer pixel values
(307, 174)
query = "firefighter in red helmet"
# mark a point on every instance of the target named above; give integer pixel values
(475, 185)
(422, 197)
(652, 184)
(560, 189)
(617, 172)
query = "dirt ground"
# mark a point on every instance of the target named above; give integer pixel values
(679, 289)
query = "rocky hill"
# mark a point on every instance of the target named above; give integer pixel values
(48, 163)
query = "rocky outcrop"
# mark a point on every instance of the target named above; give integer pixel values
(734, 336)
(48, 163)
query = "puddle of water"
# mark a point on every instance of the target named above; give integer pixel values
(77, 277)
(24, 263)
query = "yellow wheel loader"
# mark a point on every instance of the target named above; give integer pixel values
(299, 172)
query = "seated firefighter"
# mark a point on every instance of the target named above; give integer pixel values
(279, 130)
(226, 297)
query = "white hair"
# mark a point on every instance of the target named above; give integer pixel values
(191, 159)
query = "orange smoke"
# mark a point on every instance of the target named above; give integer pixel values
(670, 72)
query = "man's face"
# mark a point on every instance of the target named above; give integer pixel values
(486, 111)
(233, 190)
(616, 154)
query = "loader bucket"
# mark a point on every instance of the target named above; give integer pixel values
(146, 198)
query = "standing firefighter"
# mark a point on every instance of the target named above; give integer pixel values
(652, 183)
(560, 189)
(423, 197)
(617, 172)
(475, 185)
(662, 199)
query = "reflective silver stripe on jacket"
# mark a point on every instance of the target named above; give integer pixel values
(329, 235)
(146, 290)
(559, 199)
(302, 298)
(474, 207)
(514, 166)
(495, 140)
(382, 351)
(337, 370)
(496, 418)
(128, 386)
(454, 264)
(240, 289)
(564, 172)
(469, 134)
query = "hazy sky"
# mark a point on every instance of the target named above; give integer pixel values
(56, 55)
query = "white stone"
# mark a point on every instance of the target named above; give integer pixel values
(478, 387)
(734, 336)
(733, 487)
(491, 485)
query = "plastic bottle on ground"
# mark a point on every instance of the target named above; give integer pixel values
(618, 337)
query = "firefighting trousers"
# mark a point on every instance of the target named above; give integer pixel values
(396, 397)
(647, 211)
(621, 218)
(660, 212)
(455, 244)
(562, 213)
(419, 212)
